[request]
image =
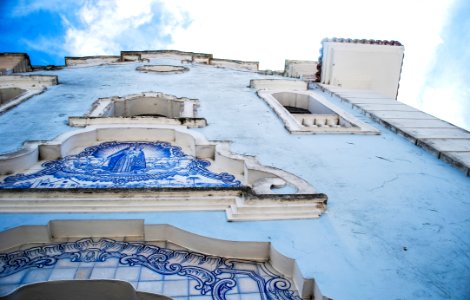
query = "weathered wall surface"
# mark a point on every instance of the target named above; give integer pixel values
(397, 222)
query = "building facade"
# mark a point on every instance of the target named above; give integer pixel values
(181, 175)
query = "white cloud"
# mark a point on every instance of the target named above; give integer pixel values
(110, 26)
(446, 93)
(269, 32)
(443, 102)
(103, 21)
(272, 31)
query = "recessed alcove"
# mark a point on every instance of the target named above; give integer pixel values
(148, 107)
(309, 112)
(162, 69)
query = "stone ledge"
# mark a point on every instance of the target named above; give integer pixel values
(30, 84)
(444, 140)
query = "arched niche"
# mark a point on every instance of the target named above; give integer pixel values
(165, 255)
(73, 166)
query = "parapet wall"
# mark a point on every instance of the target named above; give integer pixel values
(14, 63)
(186, 57)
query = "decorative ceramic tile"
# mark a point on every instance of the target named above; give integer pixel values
(151, 287)
(175, 288)
(83, 273)
(124, 165)
(66, 273)
(149, 275)
(37, 275)
(15, 278)
(128, 273)
(247, 285)
(103, 273)
(252, 296)
(6, 289)
(175, 273)
(111, 262)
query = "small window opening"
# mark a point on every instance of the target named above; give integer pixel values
(308, 112)
(297, 110)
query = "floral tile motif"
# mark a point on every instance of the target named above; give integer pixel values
(179, 273)
(124, 165)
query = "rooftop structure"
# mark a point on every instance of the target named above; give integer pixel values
(14, 63)
(188, 176)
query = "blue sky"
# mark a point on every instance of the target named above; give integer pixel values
(46, 29)
(434, 32)
(21, 30)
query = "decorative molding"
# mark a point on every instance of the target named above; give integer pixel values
(278, 84)
(57, 231)
(146, 55)
(142, 108)
(216, 276)
(362, 41)
(236, 184)
(162, 69)
(244, 168)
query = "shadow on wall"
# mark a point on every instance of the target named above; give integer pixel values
(81, 289)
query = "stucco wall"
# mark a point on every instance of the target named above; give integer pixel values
(397, 223)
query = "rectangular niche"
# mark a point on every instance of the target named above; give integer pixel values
(144, 108)
(305, 112)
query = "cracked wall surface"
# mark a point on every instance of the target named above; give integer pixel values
(397, 221)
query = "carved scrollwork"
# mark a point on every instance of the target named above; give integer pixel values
(215, 276)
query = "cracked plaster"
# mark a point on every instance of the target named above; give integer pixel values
(356, 250)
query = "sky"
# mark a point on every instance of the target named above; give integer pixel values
(435, 34)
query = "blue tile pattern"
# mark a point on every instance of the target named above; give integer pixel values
(124, 165)
(178, 273)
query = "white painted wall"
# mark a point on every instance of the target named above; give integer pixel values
(362, 66)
